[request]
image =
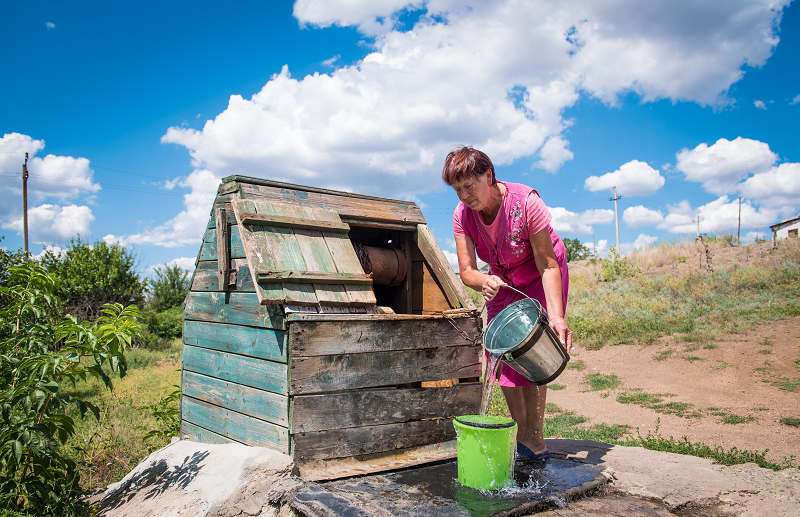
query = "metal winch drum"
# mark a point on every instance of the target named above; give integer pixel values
(522, 336)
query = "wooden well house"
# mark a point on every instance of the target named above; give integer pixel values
(328, 326)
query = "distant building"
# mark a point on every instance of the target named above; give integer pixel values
(786, 229)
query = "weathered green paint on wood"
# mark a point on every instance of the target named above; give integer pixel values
(343, 203)
(256, 342)
(343, 443)
(311, 277)
(209, 249)
(294, 222)
(236, 426)
(242, 399)
(350, 336)
(195, 433)
(232, 307)
(376, 407)
(206, 279)
(259, 256)
(249, 371)
(350, 371)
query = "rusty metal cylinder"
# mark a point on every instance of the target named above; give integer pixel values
(387, 265)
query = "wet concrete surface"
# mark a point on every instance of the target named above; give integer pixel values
(434, 491)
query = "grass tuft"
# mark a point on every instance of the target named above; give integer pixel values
(556, 387)
(577, 364)
(789, 420)
(600, 382)
(693, 358)
(664, 354)
(736, 419)
(720, 366)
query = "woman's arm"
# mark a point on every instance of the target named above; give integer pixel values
(546, 263)
(488, 285)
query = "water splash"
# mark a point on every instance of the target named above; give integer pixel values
(489, 381)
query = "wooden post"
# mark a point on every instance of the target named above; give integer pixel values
(25, 204)
(223, 249)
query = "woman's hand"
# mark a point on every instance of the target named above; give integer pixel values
(563, 332)
(491, 286)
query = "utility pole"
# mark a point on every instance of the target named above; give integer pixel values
(616, 214)
(698, 223)
(25, 203)
(739, 231)
(594, 246)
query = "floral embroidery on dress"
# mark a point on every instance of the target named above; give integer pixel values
(516, 230)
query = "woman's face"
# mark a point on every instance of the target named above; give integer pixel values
(475, 192)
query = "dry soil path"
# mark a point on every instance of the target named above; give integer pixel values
(736, 375)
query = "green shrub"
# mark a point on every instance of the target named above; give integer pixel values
(92, 275)
(40, 356)
(167, 324)
(169, 289)
(614, 267)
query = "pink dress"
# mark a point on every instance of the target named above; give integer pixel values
(522, 214)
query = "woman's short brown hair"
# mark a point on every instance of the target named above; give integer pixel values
(465, 162)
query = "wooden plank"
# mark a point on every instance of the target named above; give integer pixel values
(351, 371)
(208, 251)
(259, 255)
(410, 227)
(232, 307)
(345, 260)
(274, 248)
(195, 433)
(242, 399)
(249, 371)
(351, 336)
(223, 249)
(428, 296)
(256, 342)
(235, 426)
(228, 187)
(294, 222)
(376, 316)
(311, 277)
(344, 203)
(452, 286)
(362, 464)
(375, 407)
(206, 279)
(315, 253)
(341, 443)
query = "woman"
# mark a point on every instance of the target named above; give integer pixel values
(508, 225)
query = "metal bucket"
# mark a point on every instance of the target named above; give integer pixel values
(522, 336)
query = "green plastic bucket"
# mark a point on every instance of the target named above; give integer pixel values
(486, 446)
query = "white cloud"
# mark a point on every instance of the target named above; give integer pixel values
(59, 177)
(554, 153)
(638, 216)
(760, 105)
(50, 25)
(795, 100)
(642, 241)
(170, 184)
(182, 262)
(718, 216)
(495, 75)
(565, 222)
(721, 166)
(331, 61)
(47, 223)
(634, 178)
(778, 188)
(189, 225)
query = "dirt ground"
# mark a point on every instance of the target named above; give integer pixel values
(733, 378)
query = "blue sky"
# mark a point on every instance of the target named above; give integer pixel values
(133, 114)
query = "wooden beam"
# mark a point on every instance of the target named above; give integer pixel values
(351, 336)
(452, 286)
(377, 407)
(223, 249)
(327, 373)
(293, 222)
(232, 307)
(342, 443)
(256, 373)
(265, 276)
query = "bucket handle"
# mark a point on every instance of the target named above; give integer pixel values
(523, 294)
